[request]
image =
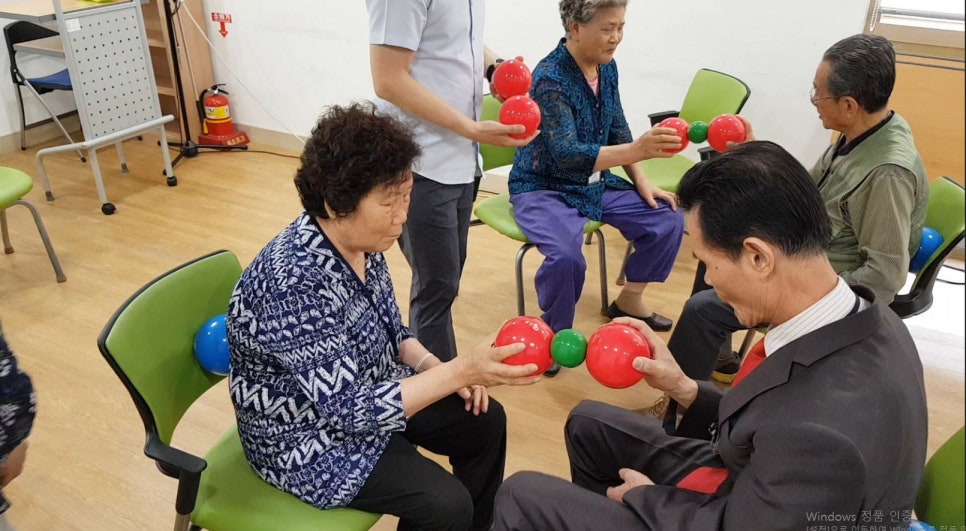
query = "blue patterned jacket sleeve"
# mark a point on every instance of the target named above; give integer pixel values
(334, 381)
(17, 406)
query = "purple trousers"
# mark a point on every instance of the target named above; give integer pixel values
(556, 229)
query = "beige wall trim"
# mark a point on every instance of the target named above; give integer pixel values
(270, 138)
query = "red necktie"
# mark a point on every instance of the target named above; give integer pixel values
(706, 480)
(755, 356)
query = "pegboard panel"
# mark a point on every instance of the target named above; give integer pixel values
(110, 69)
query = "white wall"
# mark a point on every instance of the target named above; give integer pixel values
(297, 56)
(298, 59)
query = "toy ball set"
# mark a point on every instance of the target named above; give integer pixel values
(609, 352)
(721, 131)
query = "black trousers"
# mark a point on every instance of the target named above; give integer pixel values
(601, 439)
(423, 494)
(434, 243)
(703, 330)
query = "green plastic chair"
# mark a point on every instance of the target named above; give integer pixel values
(711, 94)
(14, 185)
(946, 213)
(494, 156)
(497, 212)
(149, 344)
(941, 501)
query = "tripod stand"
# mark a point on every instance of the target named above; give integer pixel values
(188, 148)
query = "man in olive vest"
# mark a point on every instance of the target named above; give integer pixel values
(872, 182)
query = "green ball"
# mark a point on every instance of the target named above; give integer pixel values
(568, 348)
(698, 132)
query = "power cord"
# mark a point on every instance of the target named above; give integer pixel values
(214, 52)
(951, 282)
(296, 157)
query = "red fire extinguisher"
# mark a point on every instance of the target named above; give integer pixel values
(218, 128)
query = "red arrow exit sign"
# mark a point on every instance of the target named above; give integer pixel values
(223, 19)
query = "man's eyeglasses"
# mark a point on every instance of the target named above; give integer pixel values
(813, 99)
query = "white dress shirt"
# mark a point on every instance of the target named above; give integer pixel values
(836, 305)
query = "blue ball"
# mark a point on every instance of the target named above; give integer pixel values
(916, 525)
(930, 241)
(211, 346)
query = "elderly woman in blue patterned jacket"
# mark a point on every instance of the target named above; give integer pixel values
(561, 179)
(332, 393)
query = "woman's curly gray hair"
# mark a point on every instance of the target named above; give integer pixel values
(583, 11)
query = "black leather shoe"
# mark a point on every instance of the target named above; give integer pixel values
(657, 322)
(552, 370)
(726, 368)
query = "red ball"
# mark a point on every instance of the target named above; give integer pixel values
(723, 129)
(521, 110)
(511, 78)
(611, 352)
(680, 128)
(533, 333)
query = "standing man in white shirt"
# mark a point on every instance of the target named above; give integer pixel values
(428, 65)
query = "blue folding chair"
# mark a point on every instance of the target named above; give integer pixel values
(23, 31)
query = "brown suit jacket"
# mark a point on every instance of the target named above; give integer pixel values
(829, 430)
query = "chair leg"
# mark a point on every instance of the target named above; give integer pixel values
(42, 172)
(120, 156)
(518, 270)
(166, 157)
(602, 254)
(746, 343)
(182, 522)
(627, 254)
(46, 239)
(106, 207)
(7, 246)
(23, 120)
(53, 115)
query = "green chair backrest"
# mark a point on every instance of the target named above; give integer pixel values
(712, 94)
(942, 494)
(150, 340)
(494, 156)
(946, 213)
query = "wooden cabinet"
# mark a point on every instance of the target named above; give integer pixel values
(194, 63)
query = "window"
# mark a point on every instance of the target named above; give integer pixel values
(925, 22)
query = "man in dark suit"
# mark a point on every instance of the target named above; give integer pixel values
(828, 429)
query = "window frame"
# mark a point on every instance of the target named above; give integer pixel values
(916, 27)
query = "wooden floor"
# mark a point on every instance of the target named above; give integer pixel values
(86, 469)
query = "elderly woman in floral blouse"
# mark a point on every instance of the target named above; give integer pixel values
(332, 393)
(561, 179)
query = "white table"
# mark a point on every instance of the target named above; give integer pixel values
(41, 11)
